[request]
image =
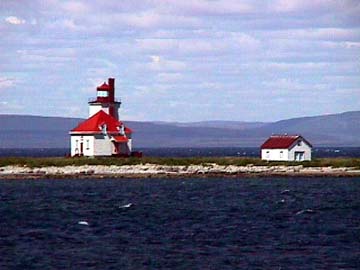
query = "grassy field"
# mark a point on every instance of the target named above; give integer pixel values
(61, 161)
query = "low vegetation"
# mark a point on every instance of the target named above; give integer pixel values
(239, 161)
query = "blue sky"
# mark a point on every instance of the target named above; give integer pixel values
(181, 60)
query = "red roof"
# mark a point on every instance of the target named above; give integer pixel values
(120, 138)
(96, 122)
(104, 86)
(128, 130)
(281, 141)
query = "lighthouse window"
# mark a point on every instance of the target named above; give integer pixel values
(102, 93)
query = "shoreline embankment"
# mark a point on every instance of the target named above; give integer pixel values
(171, 171)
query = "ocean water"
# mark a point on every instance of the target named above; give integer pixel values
(257, 223)
(186, 152)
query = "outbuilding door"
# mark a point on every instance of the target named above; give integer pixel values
(299, 156)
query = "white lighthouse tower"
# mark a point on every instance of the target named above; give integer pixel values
(102, 134)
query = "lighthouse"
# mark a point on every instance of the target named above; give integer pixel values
(102, 134)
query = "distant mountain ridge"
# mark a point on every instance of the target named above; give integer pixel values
(239, 125)
(343, 129)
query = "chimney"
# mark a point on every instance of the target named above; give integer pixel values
(112, 89)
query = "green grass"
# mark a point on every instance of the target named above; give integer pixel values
(239, 161)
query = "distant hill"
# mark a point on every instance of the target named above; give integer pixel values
(217, 124)
(327, 130)
(23, 131)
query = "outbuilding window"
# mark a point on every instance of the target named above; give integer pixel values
(281, 154)
(87, 144)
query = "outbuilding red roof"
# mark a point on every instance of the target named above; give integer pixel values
(120, 138)
(128, 130)
(281, 141)
(96, 123)
(104, 86)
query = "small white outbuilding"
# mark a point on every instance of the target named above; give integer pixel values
(286, 148)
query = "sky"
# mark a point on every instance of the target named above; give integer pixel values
(181, 61)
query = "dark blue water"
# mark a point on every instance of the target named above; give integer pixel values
(180, 224)
(186, 152)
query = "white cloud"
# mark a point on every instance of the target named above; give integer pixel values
(46, 56)
(150, 19)
(203, 7)
(219, 42)
(161, 64)
(105, 22)
(284, 84)
(155, 58)
(311, 34)
(151, 44)
(302, 66)
(75, 7)
(92, 84)
(68, 24)
(169, 77)
(211, 86)
(347, 8)
(99, 75)
(293, 87)
(351, 45)
(353, 91)
(298, 5)
(6, 82)
(14, 20)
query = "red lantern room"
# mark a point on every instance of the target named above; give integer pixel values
(105, 92)
(105, 100)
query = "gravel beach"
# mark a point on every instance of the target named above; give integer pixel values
(154, 170)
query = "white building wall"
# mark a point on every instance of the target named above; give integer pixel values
(97, 145)
(94, 108)
(129, 144)
(74, 145)
(300, 147)
(103, 146)
(275, 154)
(87, 145)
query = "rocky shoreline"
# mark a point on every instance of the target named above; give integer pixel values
(154, 170)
